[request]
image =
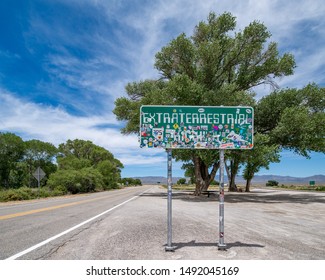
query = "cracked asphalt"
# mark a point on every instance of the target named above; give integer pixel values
(263, 224)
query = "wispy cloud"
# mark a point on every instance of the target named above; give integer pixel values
(53, 124)
(88, 50)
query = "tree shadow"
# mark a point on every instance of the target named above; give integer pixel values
(275, 197)
(193, 243)
(269, 197)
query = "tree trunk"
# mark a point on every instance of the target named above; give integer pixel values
(203, 178)
(199, 182)
(234, 165)
(232, 183)
(248, 184)
(227, 171)
(236, 159)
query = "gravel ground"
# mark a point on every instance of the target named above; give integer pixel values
(263, 224)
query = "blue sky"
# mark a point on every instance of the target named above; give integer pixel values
(64, 62)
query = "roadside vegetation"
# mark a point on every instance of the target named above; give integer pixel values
(27, 193)
(77, 166)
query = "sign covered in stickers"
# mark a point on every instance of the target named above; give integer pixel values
(196, 127)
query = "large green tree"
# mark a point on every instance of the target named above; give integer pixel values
(39, 154)
(294, 119)
(216, 66)
(84, 166)
(11, 152)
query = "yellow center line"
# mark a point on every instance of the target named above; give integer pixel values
(25, 213)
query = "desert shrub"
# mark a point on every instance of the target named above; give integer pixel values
(181, 181)
(130, 182)
(22, 193)
(59, 190)
(272, 183)
(25, 193)
(45, 192)
(9, 195)
(137, 182)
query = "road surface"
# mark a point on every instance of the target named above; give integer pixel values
(132, 224)
(26, 224)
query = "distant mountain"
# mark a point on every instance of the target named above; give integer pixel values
(257, 179)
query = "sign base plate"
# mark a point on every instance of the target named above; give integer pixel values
(170, 248)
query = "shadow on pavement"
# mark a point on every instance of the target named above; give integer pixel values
(257, 197)
(193, 243)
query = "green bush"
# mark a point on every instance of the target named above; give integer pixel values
(110, 172)
(214, 183)
(25, 193)
(59, 190)
(272, 183)
(181, 181)
(77, 181)
(44, 192)
(130, 182)
(22, 193)
(9, 195)
(320, 188)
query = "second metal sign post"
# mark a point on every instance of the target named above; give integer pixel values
(196, 127)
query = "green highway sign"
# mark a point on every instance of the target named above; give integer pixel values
(196, 127)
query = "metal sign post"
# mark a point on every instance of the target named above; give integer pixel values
(221, 244)
(169, 246)
(39, 174)
(196, 127)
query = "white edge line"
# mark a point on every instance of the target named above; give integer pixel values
(71, 229)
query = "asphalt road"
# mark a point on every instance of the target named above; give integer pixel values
(26, 224)
(263, 224)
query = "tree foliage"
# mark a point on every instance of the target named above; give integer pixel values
(77, 181)
(294, 118)
(84, 166)
(216, 66)
(11, 152)
(181, 181)
(131, 182)
(39, 154)
(76, 166)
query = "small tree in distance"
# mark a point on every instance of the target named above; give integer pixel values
(181, 181)
(260, 157)
(272, 183)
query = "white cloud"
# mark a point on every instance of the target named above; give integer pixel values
(54, 125)
(121, 49)
(138, 32)
(143, 159)
(282, 18)
(310, 68)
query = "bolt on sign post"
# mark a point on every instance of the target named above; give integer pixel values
(196, 127)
